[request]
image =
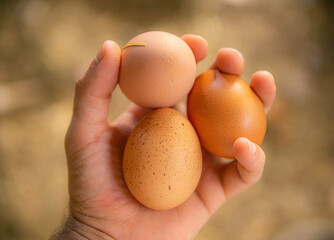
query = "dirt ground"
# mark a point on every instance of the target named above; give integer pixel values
(46, 45)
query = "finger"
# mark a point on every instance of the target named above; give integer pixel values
(263, 83)
(92, 96)
(209, 189)
(132, 115)
(229, 61)
(239, 175)
(198, 45)
(93, 91)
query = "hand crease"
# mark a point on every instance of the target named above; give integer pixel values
(77, 232)
(122, 205)
(223, 182)
(103, 96)
(134, 217)
(241, 175)
(88, 225)
(204, 203)
(95, 140)
(82, 159)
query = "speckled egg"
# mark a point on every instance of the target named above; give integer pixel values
(157, 69)
(223, 107)
(162, 160)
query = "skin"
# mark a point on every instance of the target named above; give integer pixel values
(101, 207)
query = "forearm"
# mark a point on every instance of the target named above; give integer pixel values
(75, 230)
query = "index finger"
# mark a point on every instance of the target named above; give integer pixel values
(198, 45)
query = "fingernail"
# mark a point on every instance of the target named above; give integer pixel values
(100, 53)
(252, 147)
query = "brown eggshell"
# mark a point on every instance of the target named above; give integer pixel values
(158, 74)
(222, 108)
(162, 160)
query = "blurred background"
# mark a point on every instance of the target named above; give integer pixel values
(46, 45)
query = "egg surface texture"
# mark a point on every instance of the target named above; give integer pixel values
(162, 160)
(222, 108)
(158, 74)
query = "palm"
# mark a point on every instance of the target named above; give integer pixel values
(99, 197)
(111, 201)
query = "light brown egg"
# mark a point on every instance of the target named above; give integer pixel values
(222, 108)
(162, 161)
(157, 69)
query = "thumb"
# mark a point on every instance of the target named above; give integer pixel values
(93, 95)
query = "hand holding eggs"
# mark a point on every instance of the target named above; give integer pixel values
(162, 160)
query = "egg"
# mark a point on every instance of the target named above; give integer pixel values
(162, 160)
(222, 108)
(157, 69)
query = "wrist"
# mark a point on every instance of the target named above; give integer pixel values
(76, 230)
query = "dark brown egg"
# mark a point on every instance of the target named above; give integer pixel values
(222, 108)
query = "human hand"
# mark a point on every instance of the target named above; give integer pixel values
(101, 207)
